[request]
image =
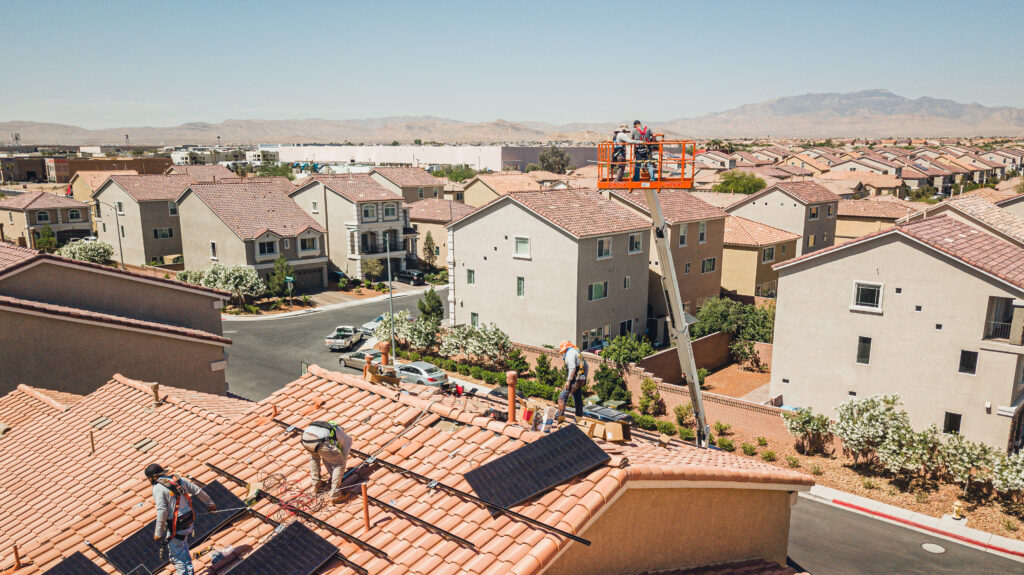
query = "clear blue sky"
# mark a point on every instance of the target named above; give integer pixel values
(110, 63)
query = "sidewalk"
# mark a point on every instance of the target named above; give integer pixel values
(944, 527)
(343, 305)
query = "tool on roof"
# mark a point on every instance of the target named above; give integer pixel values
(670, 166)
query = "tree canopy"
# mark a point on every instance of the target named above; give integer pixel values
(554, 160)
(627, 349)
(455, 173)
(745, 321)
(47, 241)
(270, 169)
(429, 255)
(737, 182)
(431, 304)
(276, 282)
(373, 269)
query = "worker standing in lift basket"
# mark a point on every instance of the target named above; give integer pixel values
(619, 151)
(643, 154)
(575, 381)
(327, 441)
(174, 515)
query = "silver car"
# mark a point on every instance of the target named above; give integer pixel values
(357, 359)
(422, 373)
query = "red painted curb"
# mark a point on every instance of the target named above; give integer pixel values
(927, 528)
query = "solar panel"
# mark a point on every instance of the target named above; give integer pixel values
(537, 467)
(139, 549)
(75, 564)
(295, 550)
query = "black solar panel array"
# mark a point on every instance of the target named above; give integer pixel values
(75, 564)
(537, 467)
(139, 549)
(295, 550)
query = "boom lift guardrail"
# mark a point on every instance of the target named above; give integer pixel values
(651, 167)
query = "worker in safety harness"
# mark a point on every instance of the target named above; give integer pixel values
(575, 381)
(619, 151)
(326, 440)
(643, 155)
(174, 515)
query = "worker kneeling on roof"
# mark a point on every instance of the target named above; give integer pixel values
(326, 440)
(174, 516)
(575, 382)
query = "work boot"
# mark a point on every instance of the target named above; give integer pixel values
(320, 485)
(341, 498)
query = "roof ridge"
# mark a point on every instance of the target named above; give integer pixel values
(173, 398)
(36, 394)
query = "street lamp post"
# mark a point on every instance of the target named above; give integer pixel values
(391, 296)
(117, 232)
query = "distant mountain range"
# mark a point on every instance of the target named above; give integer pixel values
(866, 114)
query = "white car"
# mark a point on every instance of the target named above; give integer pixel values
(343, 337)
(369, 327)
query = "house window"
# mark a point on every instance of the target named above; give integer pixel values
(636, 244)
(213, 250)
(831, 211)
(783, 251)
(163, 233)
(520, 286)
(810, 241)
(474, 319)
(74, 216)
(707, 266)
(702, 233)
(104, 226)
(437, 250)
(597, 291)
(120, 209)
(390, 211)
(768, 255)
(625, 327)
(625, 282)
(522, 247)
(585, 340)
(460, 197)
(813, 213)
(867, 296)
(968, 362)
(420, 191)
(369, 212)
(686, 268)
(864, 350)
(307, 244)
(267, 248)
(951, 423)
(172, 208)
(122, 231)
(42, 217)
(604, 248)
(682, 235)
(316, 208)
(470, 277)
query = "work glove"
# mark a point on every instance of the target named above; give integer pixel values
(211, 508)
(158, 539)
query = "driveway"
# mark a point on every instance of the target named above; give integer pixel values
(268, 353)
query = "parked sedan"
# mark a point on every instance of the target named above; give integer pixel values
(357, 359)
(422, 373)
(411, 277)
(369, 327)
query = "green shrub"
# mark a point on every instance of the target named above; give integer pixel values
(645, 421)
(702, 373)
(726, 444)
(687, 433)
(306, 300)
(651, 402)
(768, 456)
(1010, 526)
(683, 414)
(762, 442)
(343, 284)
(793, 461)
(463, 369)
(380, 286)
(610, 385)
(748, 449)
(249, 308)
(665, 427)
(368, 284)
(477, 372)
(816, 469)
(813, 431)
(414, 356)
(515, 361)
(722, 428)
(869, 483)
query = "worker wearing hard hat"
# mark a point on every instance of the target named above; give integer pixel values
(575, 381)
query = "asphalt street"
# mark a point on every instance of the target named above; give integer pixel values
(827, 540)
(267, 354)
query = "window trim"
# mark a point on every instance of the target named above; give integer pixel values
(474, 319)
(626, 282)
(515, 248)
(470, 277)
(702, 233)
(608, 246)
(830, 211)
(714, 265)
(960, 422)
(520, 286)
(865, 309)
(977, 358)
(42, 213)
(172, 208)
(384, 211)
(813, 213)
(268, 255)
(119, 208)
(372, 208)
(640, 243)
(682, 234)
(314, 239)
(764, 254)
(157, 236)
(316, 207)
(72, 218)
(213, 251)
(604, 290)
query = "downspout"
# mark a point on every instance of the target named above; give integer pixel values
(327, 227)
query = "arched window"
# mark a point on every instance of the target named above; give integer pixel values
(74, 215)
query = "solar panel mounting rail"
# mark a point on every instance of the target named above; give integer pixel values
(295, 550)
(355, 566)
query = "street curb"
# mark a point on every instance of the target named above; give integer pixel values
(334, 306)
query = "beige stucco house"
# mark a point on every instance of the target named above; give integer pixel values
(870, 214)
(750, 250)
(139, 215)
(932, 310)
(1013, 205)
(23, 217)
(807, 209)
(429, 217)
(413, 184)
(977, 212)
(71, 325)
(363, 219)
(546, 266)
(251, 224)
(485, 188)
(806, 162)
(85, 183)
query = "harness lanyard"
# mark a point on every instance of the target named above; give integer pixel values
(174, 522)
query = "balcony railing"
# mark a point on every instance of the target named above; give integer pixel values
(374, 249)
(997, 330)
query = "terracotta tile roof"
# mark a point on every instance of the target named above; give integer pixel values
(1010, 184)
(203, 173)
(912, 173)
(62, 312)
(356, 187)
(869, 208)
(817, 165)
(408, 176)
(838, 187)
(284, 184)
(53, 479)
(26, 403)
(885, 181)
(676, 205)
(795, 170)
(252, 448)
(95, 178)
(582, 213)
(12, 255)
(983, 211)
(153, 187)
(39, 201)
(808, 192)
(748, 567)
(505, 182)
(991, 195)
(748, 157)
(588, 171)
(250, 210)
(743, 232)
(719, 199)
(438, 210)
(545, 176)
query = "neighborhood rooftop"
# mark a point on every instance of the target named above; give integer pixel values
(408, 176)
(743, 232)
(438, 210)
(356, 187)
(154, 187)
(39, 201)
(581, 213)
(676, 205)
(251, 210)
(203, 173)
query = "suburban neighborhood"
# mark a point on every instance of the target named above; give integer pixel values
(409, 319)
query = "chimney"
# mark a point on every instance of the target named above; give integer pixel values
(155, 387)
(511, 377)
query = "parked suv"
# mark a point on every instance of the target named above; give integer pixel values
(411, 277)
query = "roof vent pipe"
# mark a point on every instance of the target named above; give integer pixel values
(511, 377)
(155, 388)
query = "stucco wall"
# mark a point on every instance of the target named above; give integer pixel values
(620, 304)
(133, 241)
(440, 237)
(782, 211)
(202, 226)
(816, 352)
(478, 194)
(80, 358)
(14, 226)
(848, 228)
(650, 530)
(739, 269)
(157, 215)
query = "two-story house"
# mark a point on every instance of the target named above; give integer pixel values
(24, 216)
(84, 182)
(807, 209)
(429, 217)
(750, 250)
(413, 184)
(546, 266)
(806, 162)
(251, 224)
(932, 310)
(363, 219)
(139, 215)
(484, 188)
(203, 173)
